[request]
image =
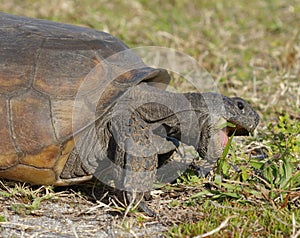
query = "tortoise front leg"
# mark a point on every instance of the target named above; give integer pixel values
(135, 156)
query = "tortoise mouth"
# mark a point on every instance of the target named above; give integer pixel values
(237, 130)
(228, 131)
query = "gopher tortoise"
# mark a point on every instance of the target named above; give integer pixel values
(74, 105)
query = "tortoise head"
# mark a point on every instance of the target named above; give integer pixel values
(218, 118)
(239, 113)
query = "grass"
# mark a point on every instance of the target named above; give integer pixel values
(261, 196)
(26, 199)
(268, 222)
(252, 49)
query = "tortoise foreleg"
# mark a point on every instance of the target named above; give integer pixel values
(136, 157)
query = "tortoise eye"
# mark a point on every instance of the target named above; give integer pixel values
(240, 105)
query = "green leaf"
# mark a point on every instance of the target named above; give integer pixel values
(222, 124)
(221, 161)
(5, 194)
(201, 194)
(229, 124)
(2, 219)
(226, 148)
(232, 187)
(218, 179)
(245, 175)
(232, 195)
(257, 164)
(287, 174)
(36, 203)
(268, 174)
(226, 195)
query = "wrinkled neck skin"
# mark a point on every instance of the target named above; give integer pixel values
(188, 117)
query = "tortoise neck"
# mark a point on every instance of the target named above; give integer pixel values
(170, 113)
(156, 104)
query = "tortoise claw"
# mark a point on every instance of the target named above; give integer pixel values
(144, 208)
(138, 200)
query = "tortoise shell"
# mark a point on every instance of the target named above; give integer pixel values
(43, 65)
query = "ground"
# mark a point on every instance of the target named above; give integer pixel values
(252, 50)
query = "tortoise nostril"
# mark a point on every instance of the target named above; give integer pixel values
(240, 105)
